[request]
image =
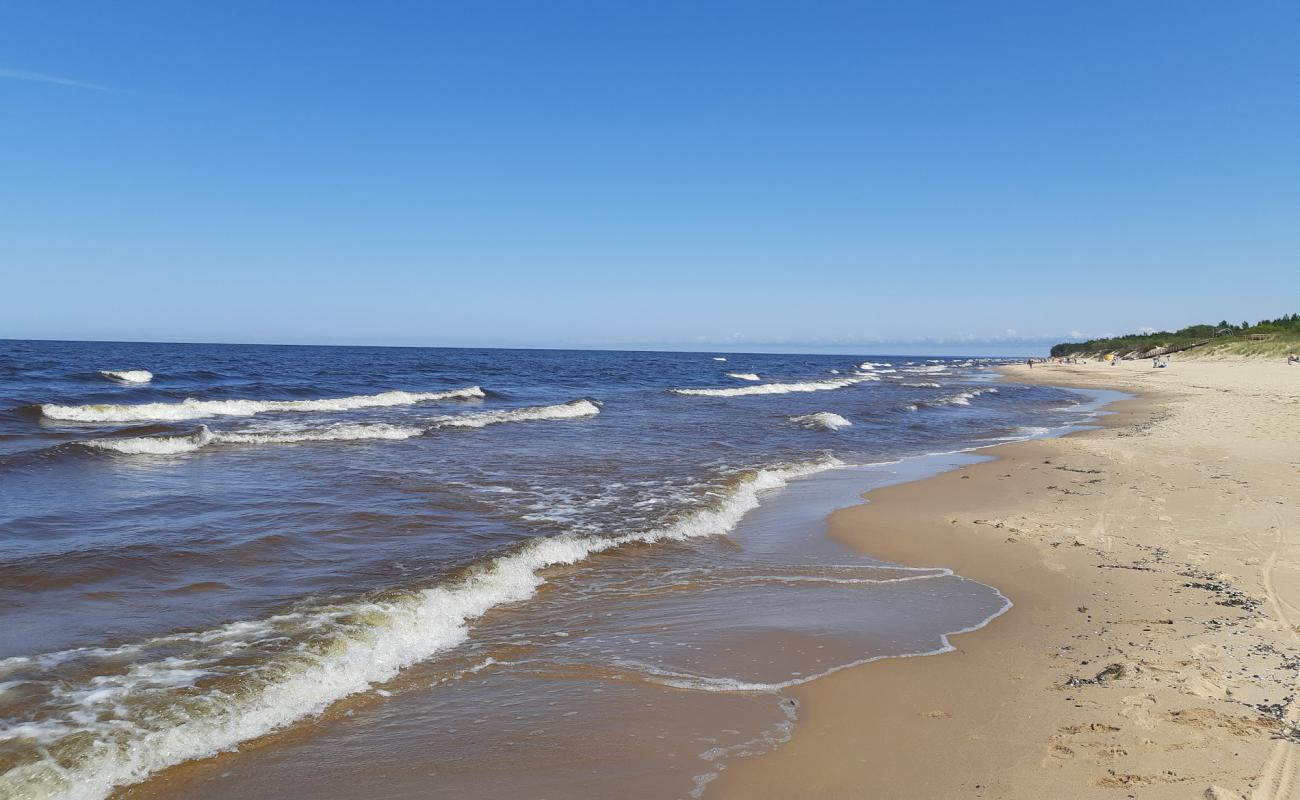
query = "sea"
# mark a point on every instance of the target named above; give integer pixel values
(239, 571)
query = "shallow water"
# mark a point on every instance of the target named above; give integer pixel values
(361, 563)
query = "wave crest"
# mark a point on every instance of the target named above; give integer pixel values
(822, 420)
(572, 410)
(776, 388)
(128, 375)
(191, 408)
(342, 432)
(962, 399)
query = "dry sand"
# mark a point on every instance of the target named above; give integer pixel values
(1153, 649)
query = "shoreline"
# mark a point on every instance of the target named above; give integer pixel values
(1113, 669)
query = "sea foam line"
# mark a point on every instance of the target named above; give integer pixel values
(709, 683)
(192, 408)
(776, 388)
(342, 432)
(353, 646)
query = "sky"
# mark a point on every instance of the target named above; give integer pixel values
(873, 177)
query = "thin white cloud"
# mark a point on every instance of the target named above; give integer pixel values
(39, 77)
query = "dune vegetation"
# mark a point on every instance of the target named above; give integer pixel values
(1266, 338)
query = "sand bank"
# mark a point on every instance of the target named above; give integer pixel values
(1153, 649)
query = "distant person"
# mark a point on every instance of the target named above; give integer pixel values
(1030, 362)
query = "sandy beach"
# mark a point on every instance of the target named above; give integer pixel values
(1152, 651)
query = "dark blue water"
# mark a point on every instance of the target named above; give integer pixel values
(254, 516)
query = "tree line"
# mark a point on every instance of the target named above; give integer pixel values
(1184, 337)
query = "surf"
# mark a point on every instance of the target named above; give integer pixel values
(822, 420)
(776, 388)
(341, 432)
(127, 376)
(192, 408)
(222, 689)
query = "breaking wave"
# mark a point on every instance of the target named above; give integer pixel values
(743, 376)
(342, 432)
(776, 388)
(167, 445)
(154, 445)
(822, 420)
(962, 399)
(199, 409)
(192, 695)
(128, 376)
(571, 410)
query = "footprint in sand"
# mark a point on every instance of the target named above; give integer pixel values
(1137, 710)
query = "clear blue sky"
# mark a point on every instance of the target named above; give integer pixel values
(696, 174)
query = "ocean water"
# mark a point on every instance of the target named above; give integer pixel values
(228, 568)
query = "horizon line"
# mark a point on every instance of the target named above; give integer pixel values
(648, 347)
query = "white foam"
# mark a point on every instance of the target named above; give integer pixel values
(766, 741)
(199, 409)
(109, 732)
(777, 388)
(719, 358)
(822, 420)
(342, 432)
(924, 385)
(571, 410)
(345, 432)
(128, 375)
(744, 376)
(154, 445)
(962, 399)
(1025, 432)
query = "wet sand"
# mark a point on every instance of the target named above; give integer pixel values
(1152, 651)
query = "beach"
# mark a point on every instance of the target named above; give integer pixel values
(1152, 649)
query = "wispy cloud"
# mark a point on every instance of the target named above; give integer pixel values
(39, 77)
